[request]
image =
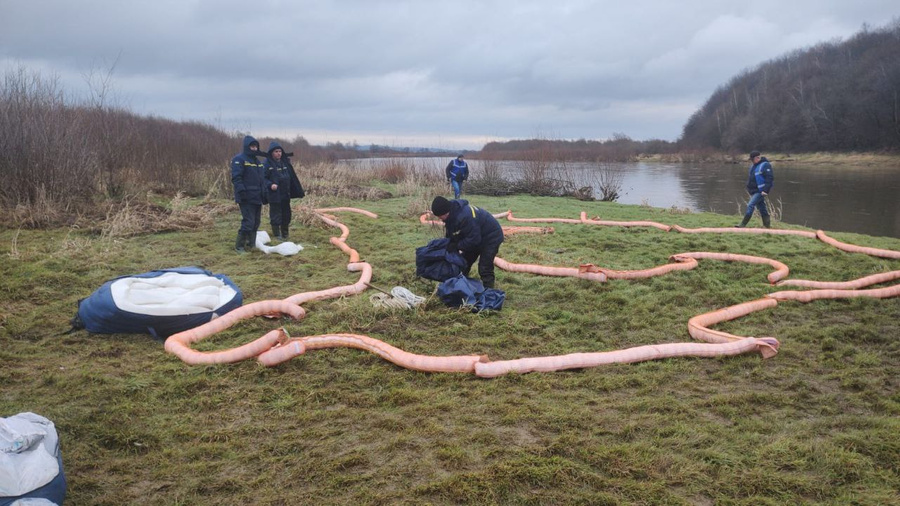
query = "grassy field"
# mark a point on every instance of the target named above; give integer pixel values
(818, 423)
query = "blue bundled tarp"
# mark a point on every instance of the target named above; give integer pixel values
(435, 262)
(460, 290)
(160, 303)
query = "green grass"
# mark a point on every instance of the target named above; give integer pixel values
(818, 423)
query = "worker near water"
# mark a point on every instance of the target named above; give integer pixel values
(457, 171)
(759, 184)
(473, 232)
(248, 180)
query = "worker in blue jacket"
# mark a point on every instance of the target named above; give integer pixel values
(247, 179)
(457, 171)
(282, 185)
(759, 184)
(473, 232)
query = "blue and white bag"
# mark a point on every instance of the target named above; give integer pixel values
(31, 470)
(160, 303)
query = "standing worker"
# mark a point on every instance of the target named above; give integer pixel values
(248, 181)
(758, 186)
(473, 232)
(282, 185)
(457, 172)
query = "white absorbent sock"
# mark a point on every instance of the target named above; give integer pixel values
(286, 248)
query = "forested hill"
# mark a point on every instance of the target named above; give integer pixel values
(835, 96)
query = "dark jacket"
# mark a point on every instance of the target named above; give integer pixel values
(247, 175)
(761, 177)
(471, 228)
(282, 173)
(457, 170)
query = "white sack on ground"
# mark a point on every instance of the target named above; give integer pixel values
(28, 449)
(286, 248)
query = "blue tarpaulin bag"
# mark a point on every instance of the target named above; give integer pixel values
(462, 291)
(159, 303)
(435, 262)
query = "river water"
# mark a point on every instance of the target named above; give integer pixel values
(864, 200)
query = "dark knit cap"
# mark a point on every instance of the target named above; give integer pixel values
(754, 154)
(440, 206)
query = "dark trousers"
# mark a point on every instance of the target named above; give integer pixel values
(757, 200)
(250, 218)
(280, 214)
(485, 258)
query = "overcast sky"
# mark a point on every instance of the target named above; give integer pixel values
(450, 74)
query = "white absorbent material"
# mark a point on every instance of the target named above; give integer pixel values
(28, 447)
(286, 248)
(171, 294)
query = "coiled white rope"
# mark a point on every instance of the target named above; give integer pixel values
(399, 298)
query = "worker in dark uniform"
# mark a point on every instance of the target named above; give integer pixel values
(282, 185)
(247, 179)
(473, 232)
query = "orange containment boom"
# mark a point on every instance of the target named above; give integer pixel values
(766, 346)
(423, 219)
(747, 230)
(698, 325)
(852, 248)
(856, 284)
(683, 262)
(179, 344)
(276, 346)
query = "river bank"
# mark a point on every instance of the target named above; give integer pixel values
(862, 159)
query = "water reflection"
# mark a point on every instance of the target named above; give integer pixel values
(863, 200)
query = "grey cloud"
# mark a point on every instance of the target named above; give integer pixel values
(460, 70)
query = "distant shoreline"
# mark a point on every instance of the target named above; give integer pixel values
(862, 159)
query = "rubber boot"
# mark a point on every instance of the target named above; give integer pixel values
(284, 233)
(744, 221)
(276, 233)
(250, 240)
(239, 243)
(767, 221)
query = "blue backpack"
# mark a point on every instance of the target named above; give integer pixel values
(435, 262)
(460, 290)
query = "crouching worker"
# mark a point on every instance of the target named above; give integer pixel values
(282, 185)
(247, 178)
(472, 231)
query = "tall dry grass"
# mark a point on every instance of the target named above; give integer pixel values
(776, 209)
(544, 172)
(491, 179)
(609, 182)
(134, 216)
(61, 156)
(45, 160)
